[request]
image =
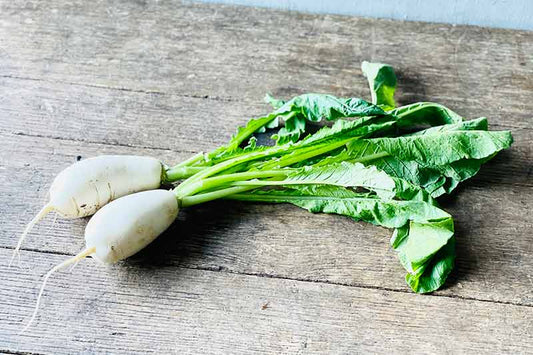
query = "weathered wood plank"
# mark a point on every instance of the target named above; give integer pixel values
(172, 122)
(181, 78)
(119, 117)
(240, 53)
(495, 254)
(166, 309)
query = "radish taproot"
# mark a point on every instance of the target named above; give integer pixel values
(125, 226)
(122, 228)
(85, 186)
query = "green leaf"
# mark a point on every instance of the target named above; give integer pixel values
(295, 113)
(437, 160)
(342, 129)
(328, 139)
(422, 228)
(252, 144)
(350, 175)
(478, 124)
(382, 81)
(437, 176)
(293, 130)
(322, 142)
(347, 175)
(315, 108)
(243, 133)
(360, 206)
(422, 241)
(433, 274)
(425, 113)
(440, 149)
(275, 103)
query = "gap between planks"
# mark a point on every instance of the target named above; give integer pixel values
(226, 270)
(115, 144)
(179, 151)
(11, 352)
(97, 86)
(161, 93)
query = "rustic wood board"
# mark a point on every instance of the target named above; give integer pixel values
(168, 80)
(139, 308)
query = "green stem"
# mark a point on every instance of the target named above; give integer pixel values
(443, 115)
(218, 181)
(176, 173)
(304, 154)
(366, 159)
(239, 183)
(260, 183)
(188, 201)
(298, 155)
(192, 160)
(254, 126)
(252, 197)
(226, 165)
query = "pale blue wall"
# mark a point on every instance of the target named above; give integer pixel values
(517, 14)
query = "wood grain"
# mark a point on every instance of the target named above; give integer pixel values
(164, 309)
(116, 117)
(80, 79)
(239, 53)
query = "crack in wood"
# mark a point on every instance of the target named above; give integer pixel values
(225, 270)
(140, 91)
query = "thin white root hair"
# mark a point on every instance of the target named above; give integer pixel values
(53, 222)
(42, 213)
(74, 265)
(84, 253)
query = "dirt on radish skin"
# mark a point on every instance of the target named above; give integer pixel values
(84, 187)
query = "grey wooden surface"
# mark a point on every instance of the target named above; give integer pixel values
(168, 80)
(514, 14)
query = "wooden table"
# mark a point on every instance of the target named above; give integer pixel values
(79, 78)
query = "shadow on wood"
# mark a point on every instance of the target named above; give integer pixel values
(195, 235)
(411, 88)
